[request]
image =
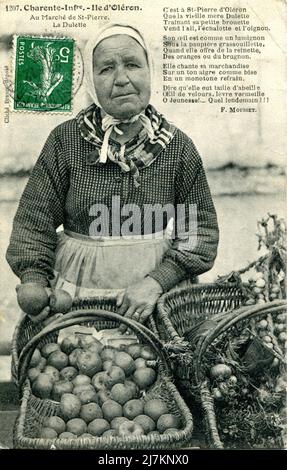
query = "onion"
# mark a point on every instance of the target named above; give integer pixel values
(279, 327)
(280, 387)
(257, 290)
(217, 394)
(272, 296)
(267, 339)
(220, 372)
(275, 289)
(224, 388)
(262, 333)
(283, 336)
(275, 362)
(260, 283)
(232, 380)
(263, 394)
(262, 324)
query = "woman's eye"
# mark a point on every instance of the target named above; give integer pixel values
(106, 69)
(131, 65)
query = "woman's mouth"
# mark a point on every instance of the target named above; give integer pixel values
(123, 95)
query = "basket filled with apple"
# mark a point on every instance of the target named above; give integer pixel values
(60, 303)
(82, 393)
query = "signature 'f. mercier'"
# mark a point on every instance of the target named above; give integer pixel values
(120, 146)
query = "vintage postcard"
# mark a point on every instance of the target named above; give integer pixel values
(143, 225)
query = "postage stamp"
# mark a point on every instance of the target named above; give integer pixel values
(43, 79)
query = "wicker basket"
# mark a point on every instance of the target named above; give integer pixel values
(26, 329)
(227, 329)
(33, 410)
(180, 310)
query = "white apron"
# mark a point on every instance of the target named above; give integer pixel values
(88, 267)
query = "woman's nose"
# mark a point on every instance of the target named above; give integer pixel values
(121, 77)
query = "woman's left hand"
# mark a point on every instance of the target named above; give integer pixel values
(138, 300)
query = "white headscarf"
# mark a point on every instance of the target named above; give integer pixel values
(109, 123)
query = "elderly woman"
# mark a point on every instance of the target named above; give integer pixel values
(116, 157)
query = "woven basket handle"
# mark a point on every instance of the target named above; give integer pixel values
(79, 316)
(275, 306)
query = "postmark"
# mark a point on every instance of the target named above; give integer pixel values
(43, 73)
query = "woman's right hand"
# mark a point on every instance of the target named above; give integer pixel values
(43, 304)
(43, 315)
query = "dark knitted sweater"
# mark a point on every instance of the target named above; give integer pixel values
(65, 183)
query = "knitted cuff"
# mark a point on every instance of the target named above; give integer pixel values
(34, 276)
(168, 274)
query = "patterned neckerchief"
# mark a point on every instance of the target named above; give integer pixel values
(137, 153)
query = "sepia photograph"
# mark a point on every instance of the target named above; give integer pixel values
(143, 227)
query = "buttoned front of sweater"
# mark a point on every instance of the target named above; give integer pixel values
(68, 187)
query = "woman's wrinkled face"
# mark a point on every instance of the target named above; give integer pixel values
(121, 76)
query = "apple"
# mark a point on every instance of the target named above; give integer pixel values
(145, 422)
(155, 407)
(144, 377)
(36, 358)
(134, 390)
(49, 348)
(96, 346)
(130, 427)
(107, 364)
(81, 379)
(107, 354)
(61, 387)
(74, 356)
(116, 422)
(167, 421)
(114, 375)
(79, 389)
(140, 362)
(89, 363)
(133, 408)
(33, 373)
(134, 350)
(111, 409)
(99, 380)
(98, 426)
(85, 340)
(69, 373)
(53, 373)
(121, 393)
(148, 354)
(70, 343)
(125, 361)
(103, 396)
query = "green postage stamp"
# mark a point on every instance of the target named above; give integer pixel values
(43, 79)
